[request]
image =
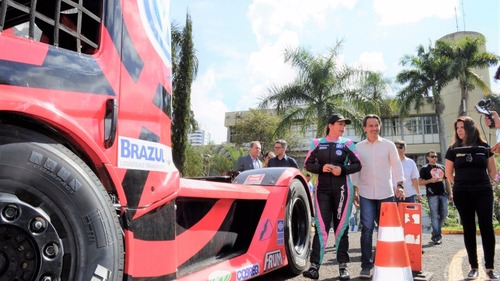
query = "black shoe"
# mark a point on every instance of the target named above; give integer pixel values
(311, 273)
(473, 274)
(438, 242)
(493, 275)
(343, 272)
(365, 273)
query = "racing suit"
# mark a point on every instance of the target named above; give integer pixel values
(333, 195)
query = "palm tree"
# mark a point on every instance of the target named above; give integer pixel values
(463, 58)
(376, 88)
(424, 81)
(322, 87)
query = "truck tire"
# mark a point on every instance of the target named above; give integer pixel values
(297, 228)
(57, 221)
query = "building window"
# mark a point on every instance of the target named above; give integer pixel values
(416, 129)
(430, 124)
(412, 126)
(391, 126)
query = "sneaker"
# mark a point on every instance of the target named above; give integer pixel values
(311, 273)
(343, 272)
(473, 274)
(365, 273)
(493, 275)
(438, 242)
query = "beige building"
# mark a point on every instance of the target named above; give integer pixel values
(420, 131)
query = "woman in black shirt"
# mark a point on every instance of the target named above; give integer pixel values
(470, 166)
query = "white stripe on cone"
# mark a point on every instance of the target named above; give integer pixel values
(391, 234)
(392, 273)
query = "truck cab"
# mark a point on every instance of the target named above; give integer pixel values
(88, 189)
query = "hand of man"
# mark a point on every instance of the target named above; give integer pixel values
(496, 148)
(495, 117)
(400, 194)
(418, 197)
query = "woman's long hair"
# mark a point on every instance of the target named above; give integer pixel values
(472, 134)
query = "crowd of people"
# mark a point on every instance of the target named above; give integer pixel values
(363, 175)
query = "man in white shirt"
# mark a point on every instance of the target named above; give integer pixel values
(411, 174)
(374, 184)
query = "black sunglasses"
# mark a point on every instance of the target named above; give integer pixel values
(433, 156)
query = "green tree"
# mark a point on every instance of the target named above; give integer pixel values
(375, 91)
(424, 79)
(219, 159)
(257, 125)
(194, 165)
(463, 58)
(322, 87)
(184, 69)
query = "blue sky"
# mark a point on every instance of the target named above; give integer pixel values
(239, 44)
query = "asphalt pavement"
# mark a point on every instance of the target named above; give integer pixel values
(445, 262)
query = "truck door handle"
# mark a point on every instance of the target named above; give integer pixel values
(110, 120)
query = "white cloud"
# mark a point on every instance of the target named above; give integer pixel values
(373, 61)
(266, 67)
(207, 105)
(273, 17)
(278, 24)
(395, 12)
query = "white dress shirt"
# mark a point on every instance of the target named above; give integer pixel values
(380, 163)
(256, 163)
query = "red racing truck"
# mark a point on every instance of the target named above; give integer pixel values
(88, 190)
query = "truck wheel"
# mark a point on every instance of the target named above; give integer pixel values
(297, 228)
(57, 221)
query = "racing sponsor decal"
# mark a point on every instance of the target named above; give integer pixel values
(273, 260)
(247, 272)
(143, 155)
(219, 275)
(254, 179)
(323, 146)
(341, 201)
(281, 232)
(156, 21)
(266, 230)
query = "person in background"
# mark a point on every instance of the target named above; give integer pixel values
(268, 156)
(250, 161)
(470, 167)
(353, 220)
(496, 119)
(438, 193)
(281, 159)
(310, 183)
(374, 185)
(333, 158)
(410, 171)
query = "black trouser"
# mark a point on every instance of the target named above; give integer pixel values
(470, 202)
(331, 205)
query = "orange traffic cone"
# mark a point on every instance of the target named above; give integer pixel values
(391, 257)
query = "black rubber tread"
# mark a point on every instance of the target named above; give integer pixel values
(297, 227)
(52, 179)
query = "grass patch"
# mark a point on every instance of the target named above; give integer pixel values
(496, 226)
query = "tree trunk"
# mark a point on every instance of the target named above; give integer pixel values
(442, 139)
